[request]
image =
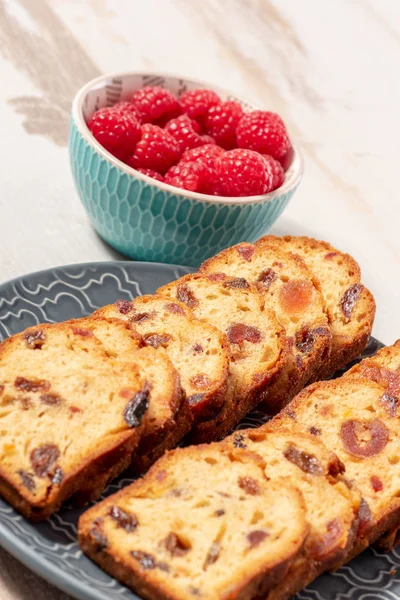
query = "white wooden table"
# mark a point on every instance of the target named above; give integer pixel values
(329, 68)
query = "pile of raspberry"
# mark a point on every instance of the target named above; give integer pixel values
(198, 142)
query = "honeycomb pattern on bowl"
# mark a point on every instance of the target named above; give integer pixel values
(147, 223)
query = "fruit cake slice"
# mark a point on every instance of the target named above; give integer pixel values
(317, 473)
(354, 419)
(290, 290)
(384, 368)
(255, 335)
(72, 413)
(166, 422)
(350, 305)
(199, 351)
(224, 533)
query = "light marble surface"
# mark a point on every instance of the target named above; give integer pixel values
(329, 68)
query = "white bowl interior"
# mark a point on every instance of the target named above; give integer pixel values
(113, 89)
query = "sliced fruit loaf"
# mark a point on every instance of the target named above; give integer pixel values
(199, 351)
(72, 413)
(350, 305)
(353, 418)
(222, 530)
(166, 422)
(384, 368)
(290, 290)
(256, 338)
(332, 507)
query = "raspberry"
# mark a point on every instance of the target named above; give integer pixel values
(242, 173)
(156, 150)
(197, 103)
(222, 121)
(206, 154)
(151, 173)
(116, 131)
(287, 159)
(192, 176)
(156, 103)
(125, 107)
(183, 129)
(264, 132)
(278, 174)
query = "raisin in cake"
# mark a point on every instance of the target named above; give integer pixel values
(289, 289)
(350, 305)
(199, 351)
(317, 473)
(224, 533)
(72, 413)
(354, 418)
(255, 335)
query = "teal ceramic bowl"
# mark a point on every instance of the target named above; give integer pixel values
(152, 221)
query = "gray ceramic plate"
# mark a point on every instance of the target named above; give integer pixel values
(50, 548)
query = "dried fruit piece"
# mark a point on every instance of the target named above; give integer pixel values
(97, 533)
(322, 547)
(82, 332)
(43, 459)
(27, 480)
(32, 385)
(236, 282)
(314, 430)
(124, 306)
(50, 399)
(58, 476)
(157, 339)
(146, 560)
(295, 296)
(175, 545)
(350, 298)
(125, 521)
(35, 339)
(305, 461)
(391, 404)
(266, 277)
(185, 295)
(376, 483)
(137, 407)
(238, 441)
(256, 537)
(364, 438)
(239, 332)
(195, 399)
(174, 308)
(365, 519)
(249, 485)
(246, 252)
(304, 340)
(200, 381)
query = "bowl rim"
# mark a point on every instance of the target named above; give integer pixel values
(77, 113)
